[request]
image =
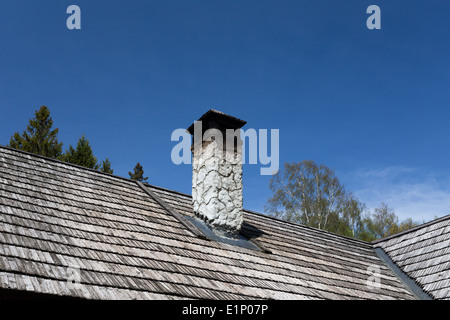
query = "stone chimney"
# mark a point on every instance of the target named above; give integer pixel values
(217, 171)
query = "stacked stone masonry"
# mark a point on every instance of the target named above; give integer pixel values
(217, 186)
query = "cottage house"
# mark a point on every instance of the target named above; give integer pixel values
(71, 232)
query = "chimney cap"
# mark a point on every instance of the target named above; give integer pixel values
(214, 119)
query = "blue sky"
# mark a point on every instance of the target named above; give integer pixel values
(372, 104)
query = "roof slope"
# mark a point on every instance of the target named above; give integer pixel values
(423, 253)
(61, 223)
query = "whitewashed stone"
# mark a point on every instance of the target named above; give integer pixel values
(217, 186)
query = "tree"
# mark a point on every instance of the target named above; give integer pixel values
(82, 155)
(312, 195)
(39, 138)
(408, 224)
(106, 166)
(383, 222)
(138, 174)
(351, 224)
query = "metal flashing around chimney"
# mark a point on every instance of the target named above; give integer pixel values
(200, 229)
(256, 242)
(239, 239)
(173, 212)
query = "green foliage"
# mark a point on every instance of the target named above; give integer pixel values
(138, 173)
(39, 138)
(311, 194)
(383, 222)
(82, 155)
(106, 166)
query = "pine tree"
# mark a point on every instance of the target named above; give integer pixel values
(106, 166)
(82, 155)
(39, 138)
(138, 174)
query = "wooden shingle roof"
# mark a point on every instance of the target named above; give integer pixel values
(423, 253)
(70, 231)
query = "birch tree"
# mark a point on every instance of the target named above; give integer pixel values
(307, 193)
(311, 194)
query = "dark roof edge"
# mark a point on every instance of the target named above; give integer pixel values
(63, 162)
(423, 225)
(88, 169)
(167, 190)
(409, 283)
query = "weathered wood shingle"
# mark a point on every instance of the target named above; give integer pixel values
(423, 253)
(60, 222)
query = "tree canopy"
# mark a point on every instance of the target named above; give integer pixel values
(106, 166)
(39, 138)
(383, 222)
(82, 155)
(311, 194)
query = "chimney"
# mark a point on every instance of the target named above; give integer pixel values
(217, 171)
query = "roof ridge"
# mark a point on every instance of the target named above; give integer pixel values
(63, 162)
(165, 189)
(310, 228)
(420, 226)
(88, 169)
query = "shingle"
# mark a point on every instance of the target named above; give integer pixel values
(423, 253)
(121, 237)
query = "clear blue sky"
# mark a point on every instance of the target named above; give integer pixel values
(372, 104)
